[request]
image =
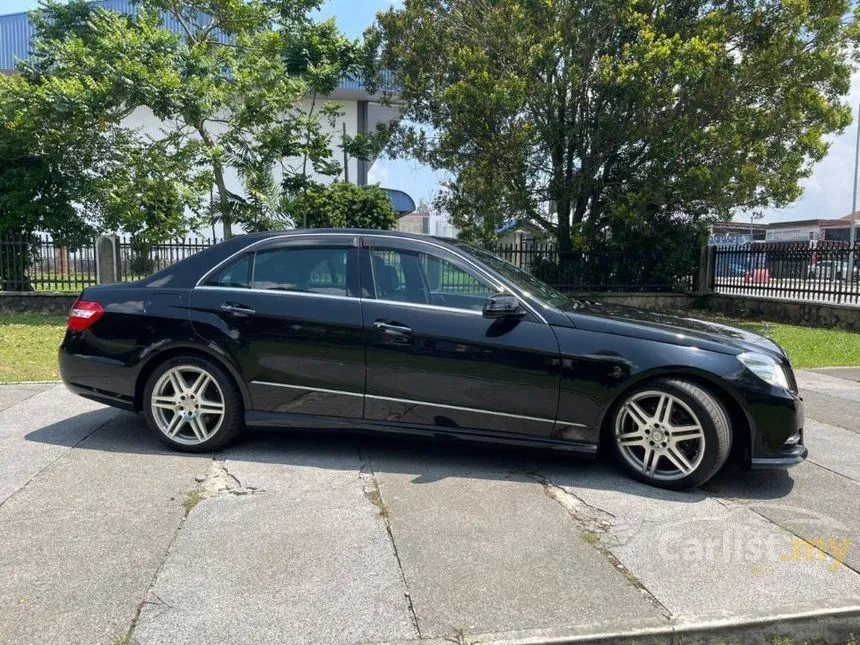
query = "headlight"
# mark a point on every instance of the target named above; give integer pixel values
(766, 368)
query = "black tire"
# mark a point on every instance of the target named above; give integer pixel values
(232, 421)
(711, 416)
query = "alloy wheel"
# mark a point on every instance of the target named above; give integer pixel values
(188, 405)
(659, 435)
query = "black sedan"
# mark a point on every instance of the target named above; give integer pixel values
(390, 332)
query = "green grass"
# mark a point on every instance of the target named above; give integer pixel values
(806, 346)
(28, 346)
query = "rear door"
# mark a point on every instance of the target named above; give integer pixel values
(434, 360)
(289, 314)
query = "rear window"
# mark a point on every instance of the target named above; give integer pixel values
(316, 269)
(236, 274)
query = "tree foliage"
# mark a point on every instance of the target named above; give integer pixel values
(624, 116)
(229, 90)
(344, 205)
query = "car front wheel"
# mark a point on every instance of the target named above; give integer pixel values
(192, 405)
(671, 433)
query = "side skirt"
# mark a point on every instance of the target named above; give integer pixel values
(256, 418)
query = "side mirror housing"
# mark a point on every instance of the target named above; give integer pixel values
(503, 305)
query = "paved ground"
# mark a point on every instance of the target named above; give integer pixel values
(106, 537)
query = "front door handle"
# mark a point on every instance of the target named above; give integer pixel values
(237, 310)
(393, 329)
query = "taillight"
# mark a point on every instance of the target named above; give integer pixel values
(84, 313)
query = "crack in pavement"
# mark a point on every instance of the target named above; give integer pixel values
(370, 486)
(595, 524)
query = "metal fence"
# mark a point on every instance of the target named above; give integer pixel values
(601, 270)
(36, 263)
(138, 260)
(792, 271)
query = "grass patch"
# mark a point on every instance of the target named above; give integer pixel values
(28, 346)
(805, 346)
(192, 499)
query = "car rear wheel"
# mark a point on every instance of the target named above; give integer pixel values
(192, 405)
(671, 433)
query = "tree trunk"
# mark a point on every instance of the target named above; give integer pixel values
(223, 201)
(218, 171)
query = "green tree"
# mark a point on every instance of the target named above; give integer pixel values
(621, 116)
(343, 205)
(228, 90)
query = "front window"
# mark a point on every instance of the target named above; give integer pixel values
(421, 278)
(522, 279)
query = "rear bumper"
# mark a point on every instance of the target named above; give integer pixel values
(99, 379)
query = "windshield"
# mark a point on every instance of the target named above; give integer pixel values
(524, 280)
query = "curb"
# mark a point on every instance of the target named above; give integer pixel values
(32, 383)
(829, 624)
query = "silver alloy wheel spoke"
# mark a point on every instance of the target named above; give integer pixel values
(188, 414)
(175, 424)
(166, 402)
(637, 414)
(659, 435)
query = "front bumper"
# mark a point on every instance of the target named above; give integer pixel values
(777, 421)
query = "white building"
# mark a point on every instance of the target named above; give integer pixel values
(360, 111)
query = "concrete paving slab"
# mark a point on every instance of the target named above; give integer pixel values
(486, 549)
(834, 448)
(41, 428)
(12, 394)
(699, 555)
(817, 505)
(302, 557)
(829, 385)
(850, 373)
(832, 410)
(80, 544)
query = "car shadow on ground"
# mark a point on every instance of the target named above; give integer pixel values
(427, 459)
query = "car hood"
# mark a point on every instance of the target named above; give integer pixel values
(666, 328)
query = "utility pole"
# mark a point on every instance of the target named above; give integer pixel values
(853, 235)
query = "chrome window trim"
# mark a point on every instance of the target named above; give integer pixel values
(279, 292)
(419, 305)
(414, 402)
(493, 279)
(311, 294)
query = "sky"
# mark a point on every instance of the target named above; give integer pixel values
(827, 194)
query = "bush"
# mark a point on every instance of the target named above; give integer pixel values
(343, 205)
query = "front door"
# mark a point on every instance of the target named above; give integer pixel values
(289, 314)
(434, 360)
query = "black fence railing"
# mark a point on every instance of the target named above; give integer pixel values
(138, 260)
(601, 270)
(36, 263)
(793, 271)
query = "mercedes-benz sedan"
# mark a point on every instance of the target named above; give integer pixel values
(394, 332)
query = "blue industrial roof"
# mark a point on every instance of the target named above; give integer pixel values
(16, 33)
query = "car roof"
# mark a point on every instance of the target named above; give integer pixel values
(348, 231)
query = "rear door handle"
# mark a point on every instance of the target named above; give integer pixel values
(392, 328)
(237, 310)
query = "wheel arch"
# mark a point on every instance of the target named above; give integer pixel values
(739, 417)
(165, 354)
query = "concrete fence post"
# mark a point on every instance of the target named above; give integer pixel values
(707, 268)
(107, 259)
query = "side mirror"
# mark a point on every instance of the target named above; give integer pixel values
(503, 305)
